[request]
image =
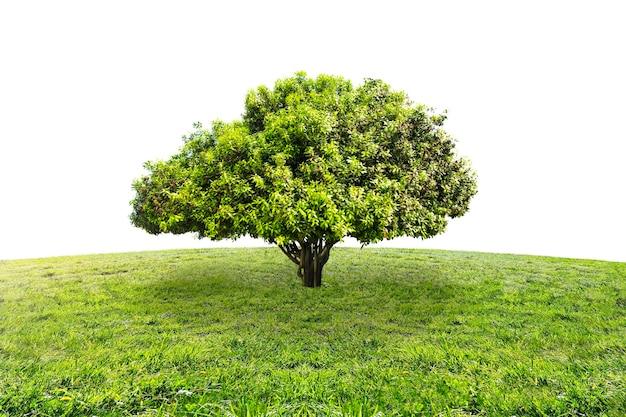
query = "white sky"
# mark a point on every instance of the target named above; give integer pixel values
(535, 92)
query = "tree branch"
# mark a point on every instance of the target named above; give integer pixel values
(325, 254)
(292, 251)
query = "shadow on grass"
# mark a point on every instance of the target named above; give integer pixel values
(258, 290)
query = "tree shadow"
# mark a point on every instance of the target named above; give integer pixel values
(359, 295)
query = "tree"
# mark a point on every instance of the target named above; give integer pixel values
(311, 162)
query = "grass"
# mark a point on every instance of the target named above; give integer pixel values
(231, 332)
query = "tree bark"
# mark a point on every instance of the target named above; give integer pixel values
(310, 256)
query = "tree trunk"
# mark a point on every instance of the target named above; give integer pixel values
(310, 258)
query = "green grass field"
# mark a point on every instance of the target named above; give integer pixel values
(231, 332)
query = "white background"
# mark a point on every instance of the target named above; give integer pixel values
(535, 93)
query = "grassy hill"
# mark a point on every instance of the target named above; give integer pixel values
(231, 332)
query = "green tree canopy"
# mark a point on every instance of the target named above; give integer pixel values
(311, 162)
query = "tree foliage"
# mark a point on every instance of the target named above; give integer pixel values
(310, 162)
